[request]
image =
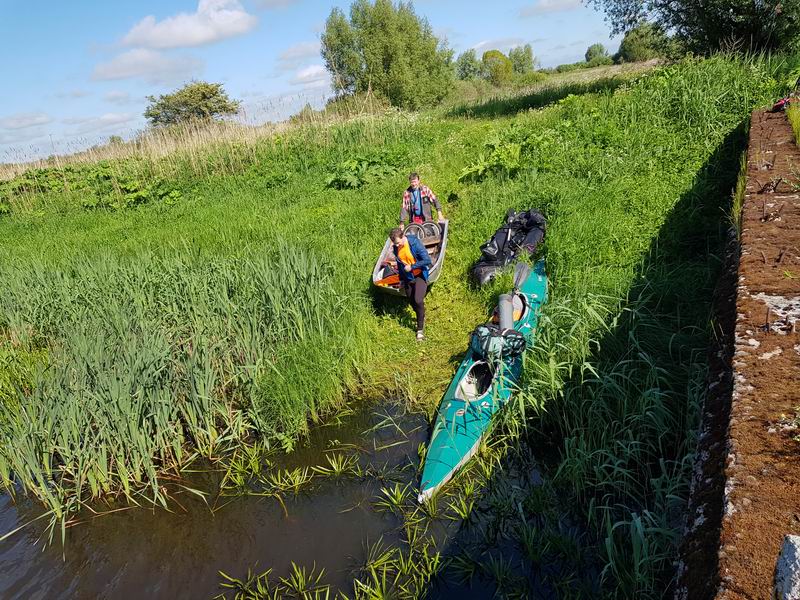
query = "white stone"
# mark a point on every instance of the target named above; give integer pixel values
(787, 570)
(773, 354)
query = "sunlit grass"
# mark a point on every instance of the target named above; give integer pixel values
(635, 183)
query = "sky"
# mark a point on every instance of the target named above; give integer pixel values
(80, 71)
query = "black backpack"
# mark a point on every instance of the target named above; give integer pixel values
(521, 231)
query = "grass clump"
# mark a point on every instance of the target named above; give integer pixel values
(152, 361)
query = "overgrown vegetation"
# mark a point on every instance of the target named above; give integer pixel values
(196, 303)
(710, 26)
(362, 170)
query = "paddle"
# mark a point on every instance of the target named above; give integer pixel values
(395, 279)
(521, 272)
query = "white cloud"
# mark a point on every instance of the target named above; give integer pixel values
(25, 120)
(72, 94)
(275, 3)
(21, 136)
(154, 67)
(312, 76)
(213, 21)
(296, 55)
(543, 7)
(117, 97)
(498, 44)
(90, 124)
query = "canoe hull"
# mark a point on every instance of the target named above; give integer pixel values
(433, 272)
(463, 419)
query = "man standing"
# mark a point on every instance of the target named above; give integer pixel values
(417, 200)
(413, 262)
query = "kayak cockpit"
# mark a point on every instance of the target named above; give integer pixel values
(476, 382)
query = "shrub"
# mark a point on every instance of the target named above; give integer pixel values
(600, 61)
(197, 100)
(522, 59)
(468, 67)
(595, 51)
(361, 170)
(643, 42)
(497, 68)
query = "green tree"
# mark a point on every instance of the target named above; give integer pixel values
(468, 66)
(643, 42)
(497, 68)
(386, 48)
(522, 59)
(195, 100)
(708, 25)
(595, 51)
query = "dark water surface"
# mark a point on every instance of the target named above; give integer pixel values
(146, 553)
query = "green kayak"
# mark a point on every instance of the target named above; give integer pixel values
(483, 384)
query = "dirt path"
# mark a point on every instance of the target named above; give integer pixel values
(762, 473)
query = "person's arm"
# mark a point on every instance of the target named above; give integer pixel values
(404, 206)
(422, 256)
(436, 204)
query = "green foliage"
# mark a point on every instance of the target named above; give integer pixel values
(468, 67)
(388, 49)
(793, 114)
(362, 170)
(522, 60)
(238, 339)
(154, 358)
(707, 27)
(104, 184)
(643, 42)
(569, 67)
(597, 61)
(528, 79)
(595, 51)
(600, 61)
(197, 100)
(497, 68)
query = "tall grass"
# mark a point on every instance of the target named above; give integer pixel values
(637, 186)
(152, 361)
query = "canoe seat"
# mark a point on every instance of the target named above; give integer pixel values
(432, 241)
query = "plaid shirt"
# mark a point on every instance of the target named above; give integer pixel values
(427, 197)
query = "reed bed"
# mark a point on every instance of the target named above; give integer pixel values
(154, 361)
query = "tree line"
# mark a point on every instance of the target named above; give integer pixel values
(385, 48)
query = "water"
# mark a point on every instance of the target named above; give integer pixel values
(146, 553)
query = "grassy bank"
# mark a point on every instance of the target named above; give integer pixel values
(169, 288)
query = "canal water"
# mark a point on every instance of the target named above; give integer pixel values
(154, 553)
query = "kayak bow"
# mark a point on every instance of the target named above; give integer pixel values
(480, 388)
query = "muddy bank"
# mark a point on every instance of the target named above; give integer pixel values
(746, 484)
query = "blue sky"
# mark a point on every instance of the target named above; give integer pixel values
(77, 72)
